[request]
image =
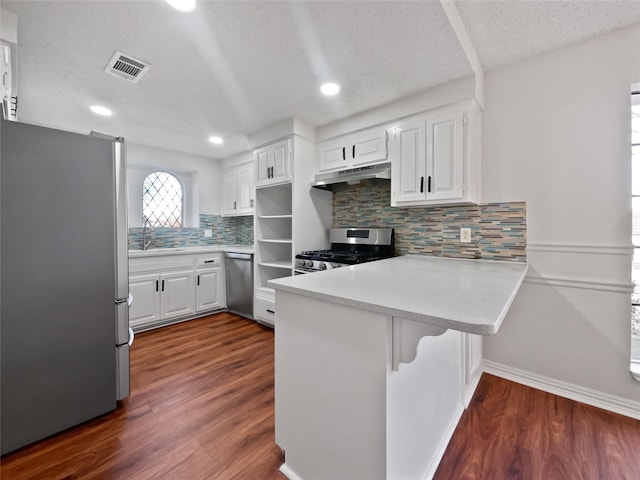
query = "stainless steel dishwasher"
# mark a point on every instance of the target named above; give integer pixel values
(239, 280)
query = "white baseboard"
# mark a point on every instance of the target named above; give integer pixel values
(287, 472)
(623, 406)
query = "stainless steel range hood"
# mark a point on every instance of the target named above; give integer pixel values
(353, 175)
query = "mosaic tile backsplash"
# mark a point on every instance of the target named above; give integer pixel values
(226, 231)
(498, 230)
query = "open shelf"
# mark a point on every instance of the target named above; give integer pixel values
(274, 217)
(284, 264)
(275, 240)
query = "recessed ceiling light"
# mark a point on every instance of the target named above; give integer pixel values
(215, 140)
(330, 89)
(98, 110)
(182, 5)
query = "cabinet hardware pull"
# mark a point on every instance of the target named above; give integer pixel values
(156, 285)
(429, 184)
(234, 205)
(344, 155)
(251, 203)
(421, 184)
(270, 311)
(163, 285)
(198, 280)
(353, 152)
(209, 261)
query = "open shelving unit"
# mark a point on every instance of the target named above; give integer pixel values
(290, 215)
(274, 243)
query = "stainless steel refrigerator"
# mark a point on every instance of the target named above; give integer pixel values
(64, 325)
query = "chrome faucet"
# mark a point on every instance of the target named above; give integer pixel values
(145, 224)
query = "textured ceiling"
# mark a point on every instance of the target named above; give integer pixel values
(506, 30)
(233, 68)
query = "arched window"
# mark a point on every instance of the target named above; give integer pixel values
(162, 200)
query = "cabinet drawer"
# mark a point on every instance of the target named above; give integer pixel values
(209, 261)
(157, 264)
(265, 310)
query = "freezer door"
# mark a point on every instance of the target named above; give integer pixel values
(122, 372)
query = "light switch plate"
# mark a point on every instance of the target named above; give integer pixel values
(465, 235)
(208, 233)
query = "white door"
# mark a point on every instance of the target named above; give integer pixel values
(245, 190)
(262, 162)
(145, 308)
(177, 294)
(332, 157)
(445, 149)
(368, 148)
(208, 289)
(229, 192)
(280, 169)
(408, 163)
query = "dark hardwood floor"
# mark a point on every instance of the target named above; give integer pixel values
(511, 431)
(201, 407)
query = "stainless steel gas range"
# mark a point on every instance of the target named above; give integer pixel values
(349, 246)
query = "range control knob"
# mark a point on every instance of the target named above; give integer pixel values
(308, 263)
(322, 266)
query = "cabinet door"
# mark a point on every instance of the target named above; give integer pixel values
(445, 149)
(280, 164)
(177, 294)
(245, 189)
(229, 192)
(146, 299)
(368, 148)
(209, 289)
(409, 163)
(332, 157)
(262, 160)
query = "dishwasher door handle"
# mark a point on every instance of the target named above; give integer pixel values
(239, 256)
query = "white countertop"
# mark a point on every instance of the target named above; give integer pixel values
(467, 295)
(156, 252)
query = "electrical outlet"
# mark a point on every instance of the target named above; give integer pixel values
(465, 235)
(208, 233)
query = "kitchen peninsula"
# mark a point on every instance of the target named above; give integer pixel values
(371, 370)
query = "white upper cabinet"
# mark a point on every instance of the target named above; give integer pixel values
(434, 159)
(354, 150)
(273, 163)
(238, 189)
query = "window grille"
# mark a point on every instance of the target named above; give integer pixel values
(162, 200)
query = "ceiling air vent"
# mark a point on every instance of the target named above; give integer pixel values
(127, 67)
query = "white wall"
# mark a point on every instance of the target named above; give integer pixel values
(200, 176)
(556, 134)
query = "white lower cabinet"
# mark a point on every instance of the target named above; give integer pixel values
(176, 294)
(158, 297)
(209, 289)
(145, 308)
(264, 310)
(174, 288)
